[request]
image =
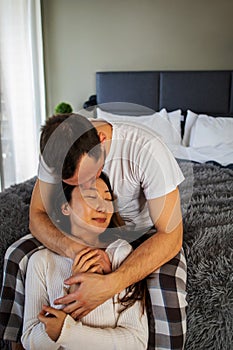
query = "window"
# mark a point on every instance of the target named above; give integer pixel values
(22, 89)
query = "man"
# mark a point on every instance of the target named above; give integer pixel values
(144, 177)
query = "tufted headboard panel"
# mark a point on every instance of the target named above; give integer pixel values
(209, 92)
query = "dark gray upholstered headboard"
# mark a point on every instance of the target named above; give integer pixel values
(209, 92)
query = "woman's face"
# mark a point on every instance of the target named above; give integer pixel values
(90, 210)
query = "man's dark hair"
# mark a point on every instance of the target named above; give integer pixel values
(64, 139)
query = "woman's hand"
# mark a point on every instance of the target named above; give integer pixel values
(53, 321)
(91, 260)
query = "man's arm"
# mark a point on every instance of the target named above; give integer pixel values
(162, 246)
(43, 228)
(148, 257)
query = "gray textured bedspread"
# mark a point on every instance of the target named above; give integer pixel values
(208, 244)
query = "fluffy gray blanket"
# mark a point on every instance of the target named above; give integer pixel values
(208, 244)
(207, 201)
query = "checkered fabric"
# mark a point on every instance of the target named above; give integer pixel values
(167, 289)
(166, 305)
(12, 293)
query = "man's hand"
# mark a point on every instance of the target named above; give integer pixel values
(94, 289)
(87, 260)
(53, 321)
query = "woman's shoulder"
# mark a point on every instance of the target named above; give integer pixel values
(45, 261)
(43, 256)
(39, 254)
(118, 251)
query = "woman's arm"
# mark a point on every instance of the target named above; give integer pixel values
(34, 335)
(130, 332)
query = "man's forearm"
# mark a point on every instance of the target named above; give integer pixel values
(94, 289)
(148, 257)
(46, 232)
(43, 228)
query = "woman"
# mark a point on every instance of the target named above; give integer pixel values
(119, 323)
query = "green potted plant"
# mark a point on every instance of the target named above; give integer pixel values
(63, 107)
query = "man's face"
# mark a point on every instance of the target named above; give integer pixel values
(87, 170)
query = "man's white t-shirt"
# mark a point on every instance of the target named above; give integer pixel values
(140, 167)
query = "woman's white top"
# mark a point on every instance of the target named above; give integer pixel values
(104, 328)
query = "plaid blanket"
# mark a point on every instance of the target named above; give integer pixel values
(166, 306)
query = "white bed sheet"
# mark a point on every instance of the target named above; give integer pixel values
(222, 153)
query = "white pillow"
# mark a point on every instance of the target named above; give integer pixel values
(175, 118)
(164, 124)
(210, 131)
(189, 124)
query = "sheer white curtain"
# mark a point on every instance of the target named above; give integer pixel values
(22, 88)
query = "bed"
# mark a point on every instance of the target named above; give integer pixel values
(199, 107)
(194, 111)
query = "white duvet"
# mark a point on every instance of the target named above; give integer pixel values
(222, 153)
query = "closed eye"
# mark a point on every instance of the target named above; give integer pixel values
(92, 197)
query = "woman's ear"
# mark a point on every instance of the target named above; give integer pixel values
(65, 208)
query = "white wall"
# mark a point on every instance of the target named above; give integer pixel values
(85, 36)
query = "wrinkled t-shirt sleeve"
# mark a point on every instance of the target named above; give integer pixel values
(46, 173)
(160, 173)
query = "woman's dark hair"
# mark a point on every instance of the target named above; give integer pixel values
(135, 292)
